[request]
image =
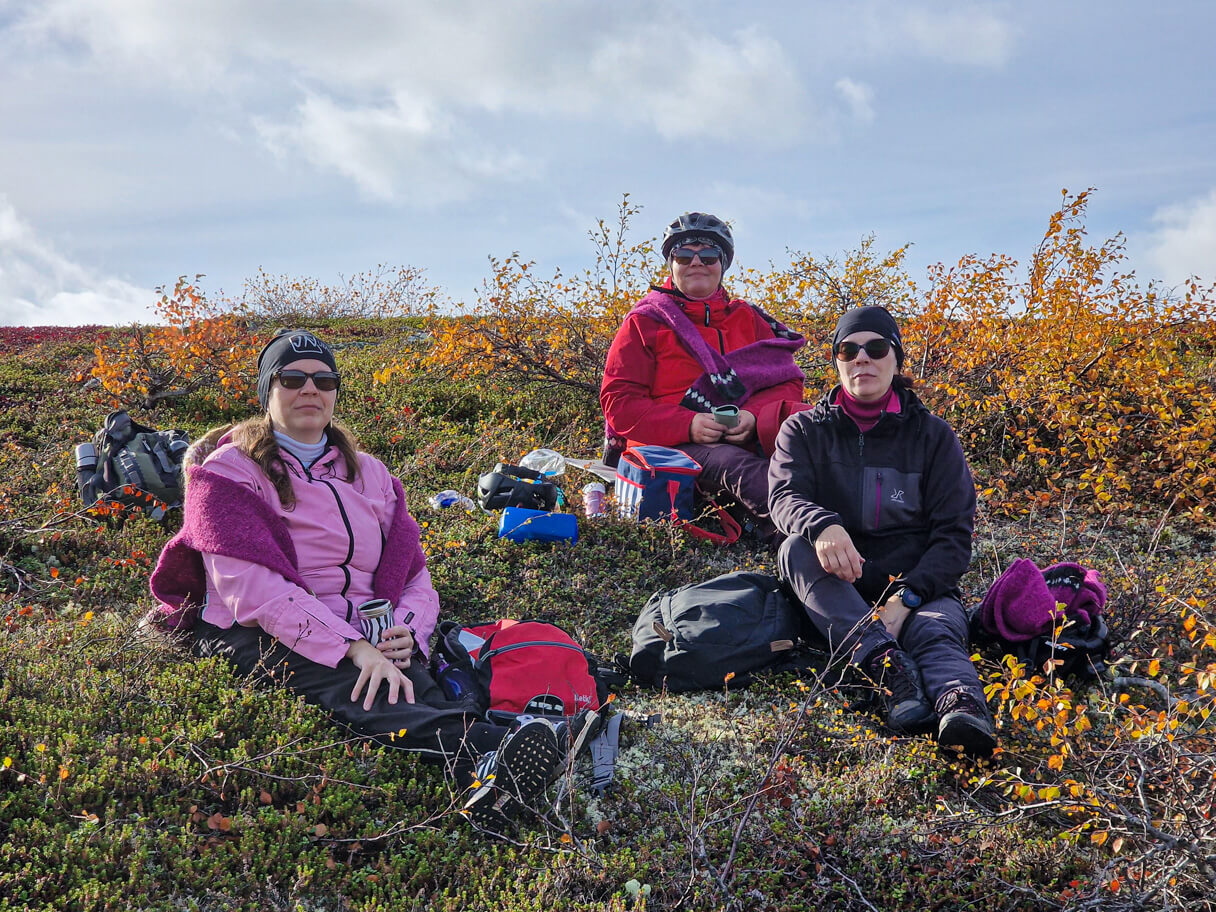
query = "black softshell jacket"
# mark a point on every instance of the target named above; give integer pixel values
(902, 490)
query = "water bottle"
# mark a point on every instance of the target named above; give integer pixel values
(86, 469)
(450, 498)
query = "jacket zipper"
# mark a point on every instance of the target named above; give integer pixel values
(878, 502)
(350, 537)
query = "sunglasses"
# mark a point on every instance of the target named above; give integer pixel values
(708, 256)
(875, 349)
(325, 381)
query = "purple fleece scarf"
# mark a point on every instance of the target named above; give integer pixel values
(180, 582)
(1024, 602)
(729, 379)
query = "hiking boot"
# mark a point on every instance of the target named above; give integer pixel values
(897, 675)
(965, 723)
(514, 775)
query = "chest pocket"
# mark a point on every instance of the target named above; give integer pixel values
(889, 499)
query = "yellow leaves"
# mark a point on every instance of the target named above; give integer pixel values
(1154, 668)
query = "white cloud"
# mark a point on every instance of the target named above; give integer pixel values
(962, 33)
(970, 34)
(405, 99)
(41, 287)
(406, 151)
(1184, 243)
(859, 97)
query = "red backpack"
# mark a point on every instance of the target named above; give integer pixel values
(522, 667)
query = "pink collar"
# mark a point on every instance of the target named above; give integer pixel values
(866, 414)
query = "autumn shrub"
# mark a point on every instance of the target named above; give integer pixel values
(199, 350)
(1076, 384)
(386, 291)
(534, 329)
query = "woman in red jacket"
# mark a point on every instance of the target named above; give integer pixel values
(687, 347)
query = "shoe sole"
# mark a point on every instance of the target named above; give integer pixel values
(526, 763)
(962, 731)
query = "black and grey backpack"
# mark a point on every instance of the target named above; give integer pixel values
(700, 636)
(133, 465)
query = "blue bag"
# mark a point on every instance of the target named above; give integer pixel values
(656, 482)
(520, 524)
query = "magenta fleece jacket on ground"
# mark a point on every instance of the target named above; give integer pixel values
(338, 530)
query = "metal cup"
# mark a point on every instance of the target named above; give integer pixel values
(86, 457)
(726, 415)
(375, 617)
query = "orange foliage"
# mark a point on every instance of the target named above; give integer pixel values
(554, 330)
(1076, 384)
(198, 350)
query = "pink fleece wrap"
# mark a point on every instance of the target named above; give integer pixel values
(212, 501)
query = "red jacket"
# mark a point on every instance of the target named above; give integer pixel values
(648, 370)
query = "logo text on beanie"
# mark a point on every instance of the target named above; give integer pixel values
(306, 344)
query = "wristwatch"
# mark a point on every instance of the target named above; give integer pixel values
(910, 598)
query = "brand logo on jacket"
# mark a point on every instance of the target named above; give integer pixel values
(897, 496)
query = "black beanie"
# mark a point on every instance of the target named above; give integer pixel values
(870, 319)
(287, 346)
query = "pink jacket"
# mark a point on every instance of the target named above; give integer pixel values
(338, 529)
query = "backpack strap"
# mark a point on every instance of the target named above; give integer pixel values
(731, 530)
(604, 750)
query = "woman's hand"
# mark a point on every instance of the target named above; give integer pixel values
(893, 614)
(744, 431)
(375, 668)
(837, 555)
(705, 430)
(397, 644)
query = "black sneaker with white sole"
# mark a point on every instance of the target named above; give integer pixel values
(514, 775)
(965, 723)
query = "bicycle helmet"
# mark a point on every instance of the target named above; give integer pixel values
(515, 486)
(703, 227)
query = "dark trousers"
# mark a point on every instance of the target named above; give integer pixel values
(435, 727)
(935, 635)
(737, 479)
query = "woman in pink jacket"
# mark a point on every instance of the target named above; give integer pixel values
(287, 530)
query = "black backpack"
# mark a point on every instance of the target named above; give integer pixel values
(693, 637)
(131, 464)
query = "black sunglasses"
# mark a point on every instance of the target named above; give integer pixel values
(325, 381)
(876, 349)
(708, 256)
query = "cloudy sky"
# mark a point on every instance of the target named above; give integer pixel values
(141, 139)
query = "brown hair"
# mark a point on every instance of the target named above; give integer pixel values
(255, 438)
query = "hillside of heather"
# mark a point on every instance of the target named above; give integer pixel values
(134, 776)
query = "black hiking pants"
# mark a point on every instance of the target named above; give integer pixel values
(935, 634)
(439, 729)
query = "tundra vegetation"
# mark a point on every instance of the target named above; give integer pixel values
(133, 776)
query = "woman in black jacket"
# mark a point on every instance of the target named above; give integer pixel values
(877, 501)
